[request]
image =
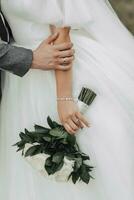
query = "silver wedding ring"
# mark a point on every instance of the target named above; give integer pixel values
(77, 121)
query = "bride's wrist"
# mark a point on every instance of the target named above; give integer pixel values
(65, 98)
(63, 35)
(65, 95)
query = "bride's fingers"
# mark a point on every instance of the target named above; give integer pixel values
(75, 119)
(69, 129)
(82, 119)
(81, 124)
(73, 125)
(77, 122)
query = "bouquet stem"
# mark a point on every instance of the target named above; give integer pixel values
(85, 99)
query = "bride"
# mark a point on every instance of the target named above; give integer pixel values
(104, 62)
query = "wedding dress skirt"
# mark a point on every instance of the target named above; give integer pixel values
(104, 67)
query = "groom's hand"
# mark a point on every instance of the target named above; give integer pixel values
(48, 56)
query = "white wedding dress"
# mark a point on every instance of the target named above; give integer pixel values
(104, 62)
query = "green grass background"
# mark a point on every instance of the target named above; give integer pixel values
(125, 11)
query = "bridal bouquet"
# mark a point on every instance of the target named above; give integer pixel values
(54, 152)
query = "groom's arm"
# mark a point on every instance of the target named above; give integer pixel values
(46, 56)
(17, 60)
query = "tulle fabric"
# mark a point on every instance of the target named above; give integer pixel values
(96, 17)
(104, 63)
(109, 141)
(56, 12)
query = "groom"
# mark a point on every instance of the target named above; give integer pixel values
(19, 60)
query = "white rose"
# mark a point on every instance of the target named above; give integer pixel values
(38, 162)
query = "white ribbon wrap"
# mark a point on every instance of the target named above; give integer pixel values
(82, 106)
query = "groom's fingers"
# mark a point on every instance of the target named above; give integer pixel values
(51, 38)
(66, 53)
(63, 46)
(67, 60)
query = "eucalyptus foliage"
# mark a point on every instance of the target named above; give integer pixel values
(57, 143)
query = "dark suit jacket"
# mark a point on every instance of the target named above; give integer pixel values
(16, 60)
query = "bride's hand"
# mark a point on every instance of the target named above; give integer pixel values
(70, 116)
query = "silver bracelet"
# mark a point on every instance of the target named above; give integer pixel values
(65, 99)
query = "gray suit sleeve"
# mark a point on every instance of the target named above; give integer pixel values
(17, 60)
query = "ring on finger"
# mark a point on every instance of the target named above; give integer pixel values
(76, 120)
(64, 60)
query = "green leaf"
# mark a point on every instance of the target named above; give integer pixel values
(70, 175)
(48, 161)
(78, 163)
(20, 143)
(52, 167)
(64, 141)
(59, 133)
(41, 129)
(59, 166)
(55, 124)
(84, 174)
(75, 177)
(37, 134)
(50, 122)
(32, 151)
(25, 138)
(47, 138)
(20, 148)
(71, 139)
(85, 157)
(28, 135)
(85, 177)
(76, 146)
(22, 135)
(88, 168)
(57, 157)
